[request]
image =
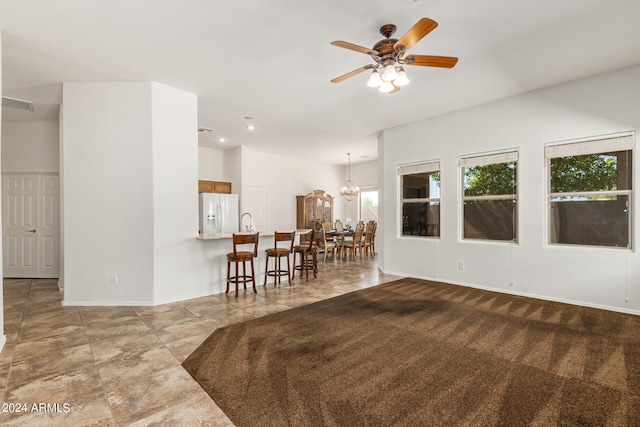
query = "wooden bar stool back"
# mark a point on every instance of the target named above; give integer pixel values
(308, 255)
(241, 241)
(278, 252)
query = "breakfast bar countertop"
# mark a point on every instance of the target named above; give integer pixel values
(262, 234)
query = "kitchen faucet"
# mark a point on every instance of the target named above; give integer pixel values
(248, 228)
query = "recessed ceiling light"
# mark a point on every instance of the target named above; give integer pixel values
(249, 123)
(221, 140)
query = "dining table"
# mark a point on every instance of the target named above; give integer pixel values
(336, 233)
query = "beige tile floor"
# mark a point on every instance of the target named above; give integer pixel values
(121, 366)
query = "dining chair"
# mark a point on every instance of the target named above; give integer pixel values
(326, 245)
(277, 253)
(241, 241)
(373, 237)
(367, 240)
(355, 244)
(339, 226)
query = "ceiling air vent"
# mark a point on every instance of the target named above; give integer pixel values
(17, 103)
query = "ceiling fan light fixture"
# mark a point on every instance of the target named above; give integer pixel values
(402, 79)
(385, 87)
(390, 73)
(374, 79)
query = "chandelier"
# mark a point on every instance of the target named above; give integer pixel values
(350, 190)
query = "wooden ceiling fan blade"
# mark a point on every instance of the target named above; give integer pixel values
(355, 47)
(351, 73)
(431, 61)
(423, 27)
(395, 89)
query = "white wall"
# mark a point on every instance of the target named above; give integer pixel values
(211, 164)
(129, 152)
(107, 193)
(285, 178)
(3, 337)
(175, 196)
(591, 276)
(30, 146)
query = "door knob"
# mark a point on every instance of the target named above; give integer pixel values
(32, 231)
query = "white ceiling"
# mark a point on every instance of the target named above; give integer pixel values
(272, 59)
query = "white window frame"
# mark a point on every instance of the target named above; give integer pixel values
(624, 141)
(429, 166)
(484, 159)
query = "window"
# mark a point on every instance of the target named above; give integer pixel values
(369, 205)
(489, 196)
(589, 192)
(420, 199)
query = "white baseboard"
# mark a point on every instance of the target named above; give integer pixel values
(522, 294)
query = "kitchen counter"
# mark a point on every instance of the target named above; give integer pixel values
(262, 234)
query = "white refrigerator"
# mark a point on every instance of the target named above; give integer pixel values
(218, 214)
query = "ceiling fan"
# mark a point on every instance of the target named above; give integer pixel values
(388, 73)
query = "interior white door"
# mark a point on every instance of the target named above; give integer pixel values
(48, 226)
(31, 225)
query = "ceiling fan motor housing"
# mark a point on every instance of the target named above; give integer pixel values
(388, 30)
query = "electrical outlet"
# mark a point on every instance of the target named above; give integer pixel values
(114, 279)
(460, 265)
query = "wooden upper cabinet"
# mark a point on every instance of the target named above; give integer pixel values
(214, 187)
(316, 206)
(205, 186)
(222, 187)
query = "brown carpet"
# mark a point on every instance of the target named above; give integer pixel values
(420, 353)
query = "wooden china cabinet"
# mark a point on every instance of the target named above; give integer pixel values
(316, 206)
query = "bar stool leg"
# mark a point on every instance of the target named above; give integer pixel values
(228, 275)
(253, 277)
(244, 274)
(315, 264)
(304, 261)
(236, 280)
(266, 272)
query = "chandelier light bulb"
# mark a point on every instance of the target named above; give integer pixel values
(389, 74)
(374, 79)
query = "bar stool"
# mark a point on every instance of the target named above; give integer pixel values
(308, 255)
(277, 253)
(238, 257)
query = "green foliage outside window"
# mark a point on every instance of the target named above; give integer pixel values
(490, 180)
(590, 172)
